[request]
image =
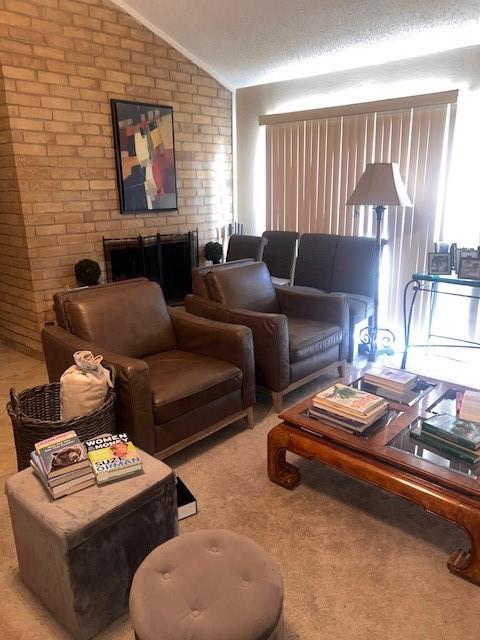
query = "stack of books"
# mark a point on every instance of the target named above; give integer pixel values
(113, 457)
(390, 383)
(451, 436)
(348, 408)
(61, 464)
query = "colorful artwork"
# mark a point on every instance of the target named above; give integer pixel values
(145, 156)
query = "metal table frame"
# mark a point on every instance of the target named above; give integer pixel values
(429, 283)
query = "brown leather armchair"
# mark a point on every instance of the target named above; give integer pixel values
(297, 335)
(179, 377)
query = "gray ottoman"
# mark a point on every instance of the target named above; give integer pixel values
(78, 554)
(208, 585)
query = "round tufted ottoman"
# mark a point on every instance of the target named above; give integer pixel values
(207, 585)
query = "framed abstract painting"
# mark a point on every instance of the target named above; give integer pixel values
(145, 156)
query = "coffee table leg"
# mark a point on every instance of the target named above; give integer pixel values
(279, 470)
(466, 564)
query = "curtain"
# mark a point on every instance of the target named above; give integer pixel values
(313, 165)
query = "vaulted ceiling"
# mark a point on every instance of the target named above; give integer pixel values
(248, 42)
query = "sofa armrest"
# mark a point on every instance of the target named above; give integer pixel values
(134, 406)
(312, 305)
(232, 343)
(270, 338)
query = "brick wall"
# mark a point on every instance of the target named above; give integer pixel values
(61, 62)
(16, 290)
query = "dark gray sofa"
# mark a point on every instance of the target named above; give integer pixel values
(340, 264)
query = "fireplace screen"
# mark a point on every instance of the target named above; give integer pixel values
(166, 259)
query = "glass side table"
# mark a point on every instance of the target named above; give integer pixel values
(429, 283)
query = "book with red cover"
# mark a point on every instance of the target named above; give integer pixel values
(113, 457)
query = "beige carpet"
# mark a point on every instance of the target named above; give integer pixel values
(357, 562)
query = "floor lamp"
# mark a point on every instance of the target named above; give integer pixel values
(381, 186)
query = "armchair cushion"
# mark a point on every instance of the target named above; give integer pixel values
(247, 287)
(131, 320)
(311, 304)
(270, 337)
(230, 342)
(182, 381)
(308, 337)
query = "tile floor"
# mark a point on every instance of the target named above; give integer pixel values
(20, 372)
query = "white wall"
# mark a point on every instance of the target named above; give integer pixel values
(457, 69)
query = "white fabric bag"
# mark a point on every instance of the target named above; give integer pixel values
(83, 386)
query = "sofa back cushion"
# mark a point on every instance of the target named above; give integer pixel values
(280, 253)
(355, 266)
(240, 247)
(130, 318)
(246, 287)
(316, 254)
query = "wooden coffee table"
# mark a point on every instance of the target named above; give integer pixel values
(391, 460)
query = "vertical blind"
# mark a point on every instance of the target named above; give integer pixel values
(313, 165)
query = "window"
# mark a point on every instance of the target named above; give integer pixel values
(314, 160)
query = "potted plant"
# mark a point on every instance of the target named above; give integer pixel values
(87, 272)
(214, 252)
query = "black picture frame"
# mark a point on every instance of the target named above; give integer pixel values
(465, 252)
(439, 264)
(144, 143)
(469, 268)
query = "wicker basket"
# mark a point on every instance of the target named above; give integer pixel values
(35, 415)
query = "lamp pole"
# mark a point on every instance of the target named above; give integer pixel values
(369, 335)
(372, 354)
(380, 182)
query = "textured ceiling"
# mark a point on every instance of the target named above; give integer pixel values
(249, 42)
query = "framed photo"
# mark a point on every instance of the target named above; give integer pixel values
(468, 253)
(464, 252)
(469, 268)
(145, 156)
(439, 264)
(442, 247)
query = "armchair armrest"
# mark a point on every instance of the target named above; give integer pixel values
(312, 305)
(134, 407)
(270, 338)
(230, 342)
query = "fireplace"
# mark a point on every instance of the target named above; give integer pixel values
(166, 259)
